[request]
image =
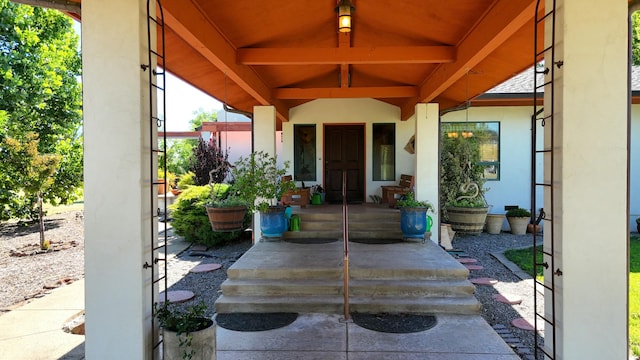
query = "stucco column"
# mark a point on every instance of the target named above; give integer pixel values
(117, 181)
(590, 207)
(264, 139)
(427, 160)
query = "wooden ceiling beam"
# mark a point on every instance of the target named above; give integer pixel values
(500, 22)
(189, 23)
(346, 93)
(347, 55)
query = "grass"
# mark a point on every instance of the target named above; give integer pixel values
(634, 295)
(522, 258)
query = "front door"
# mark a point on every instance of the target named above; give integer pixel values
(344, 151)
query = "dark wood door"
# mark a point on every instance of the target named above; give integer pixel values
(344, 151)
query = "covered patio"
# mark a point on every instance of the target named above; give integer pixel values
(404, 62)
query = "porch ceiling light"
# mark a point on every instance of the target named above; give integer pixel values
(344, 10)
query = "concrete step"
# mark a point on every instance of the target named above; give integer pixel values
(377, 288)
(335, 304)
(409, 288)
(434, 305)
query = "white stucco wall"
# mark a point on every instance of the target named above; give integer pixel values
(352, 111)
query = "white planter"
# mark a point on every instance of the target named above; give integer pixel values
(494, 223)
(518, 225)
(203, 343)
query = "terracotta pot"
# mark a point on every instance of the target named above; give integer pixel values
(518, 225)
(530, 228)
(226, 219)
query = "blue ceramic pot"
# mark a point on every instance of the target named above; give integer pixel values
(414, 222)
(273, 222)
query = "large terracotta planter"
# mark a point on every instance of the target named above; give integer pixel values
(203, 344)
(494, 223)
(226, 218)
(467, 220)
(518, 225)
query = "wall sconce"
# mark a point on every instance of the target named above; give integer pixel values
(344, 10)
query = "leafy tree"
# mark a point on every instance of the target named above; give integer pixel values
(40, 93)
(202, 116)
(32, 170)
(635, 38)
(207, 157)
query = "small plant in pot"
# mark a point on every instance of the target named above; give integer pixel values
(258, 179)
(414, 221)
(187, 333)
(227, 210)
(518, 219)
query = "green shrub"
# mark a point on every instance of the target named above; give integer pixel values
(186, 180)
(518, 212)
(190, 218)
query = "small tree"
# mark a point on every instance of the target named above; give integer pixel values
(207, 157)
(34, 172)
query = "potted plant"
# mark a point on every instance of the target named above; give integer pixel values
(414, 221)
(461, 185)
(227, 210)
(258, 179)
(186, 332)
(518, 219)
(638, 224)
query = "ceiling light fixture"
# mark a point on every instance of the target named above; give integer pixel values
(344, 10)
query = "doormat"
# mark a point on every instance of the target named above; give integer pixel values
(310, 240)
(255, 321)
(397, 323)
(376, 241)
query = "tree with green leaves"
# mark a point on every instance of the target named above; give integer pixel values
(635, 38)
(40, 93)
(32, 170)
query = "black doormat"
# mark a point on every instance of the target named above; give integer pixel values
(255, 321)
(376, 241)
(399, 323)
(310, 240)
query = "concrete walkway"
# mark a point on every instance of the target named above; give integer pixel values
(34, 332)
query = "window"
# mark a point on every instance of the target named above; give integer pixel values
(384, 153)
(304, 155)
(488, 136)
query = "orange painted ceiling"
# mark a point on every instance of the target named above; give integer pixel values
(285, 53)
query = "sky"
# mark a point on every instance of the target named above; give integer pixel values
(182, 100)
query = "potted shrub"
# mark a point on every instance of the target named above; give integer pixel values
(461, 185)
(518, 219)
(258, 179)
(186, 332)
(414, 221)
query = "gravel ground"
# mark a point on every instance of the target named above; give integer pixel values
(24, 276)
(497, 314)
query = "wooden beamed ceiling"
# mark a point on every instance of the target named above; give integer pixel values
(248, 53)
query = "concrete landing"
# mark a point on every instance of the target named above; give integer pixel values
(321, 336)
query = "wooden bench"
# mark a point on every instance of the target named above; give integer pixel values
(404, 186)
